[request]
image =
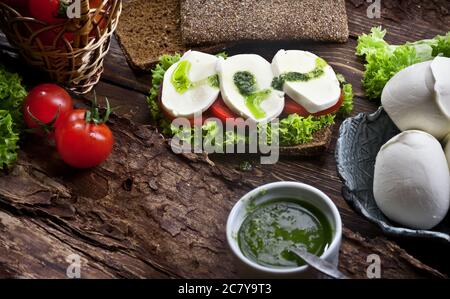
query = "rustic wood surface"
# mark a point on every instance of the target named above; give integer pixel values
(149, 213)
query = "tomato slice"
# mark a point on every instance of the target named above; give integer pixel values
(333, 109)
(291, 107)
(221, 111)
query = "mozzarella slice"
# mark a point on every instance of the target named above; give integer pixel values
(314, 95)
(196, 99)
(273, 103)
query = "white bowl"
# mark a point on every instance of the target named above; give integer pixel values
(250, 269)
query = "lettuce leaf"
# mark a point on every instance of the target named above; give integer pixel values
(292, 130)
(347, 105)
(385, 60)
(8, 140)
(158, 72)
(295, 129)
(12, 94)
(442, 45)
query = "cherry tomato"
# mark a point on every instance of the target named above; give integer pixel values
(220, 110)
(51, 14)
(49, 11)
(83, 144)
(76, 114)
(47, 37)
(291, 107)
(44, 103)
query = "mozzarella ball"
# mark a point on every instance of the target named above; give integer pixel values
(418, 97)
(447, 150)
(411, 180)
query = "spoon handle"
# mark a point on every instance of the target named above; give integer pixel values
(319, 264)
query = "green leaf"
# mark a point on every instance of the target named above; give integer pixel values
(12, 94)
(8, 140)
(442, 46)
(385, 60)
(158, 72)
(222, 54)
(347, 104)
(295, 129)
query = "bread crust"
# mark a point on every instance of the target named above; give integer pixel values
(149, 29)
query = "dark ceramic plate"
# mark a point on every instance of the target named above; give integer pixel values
(360, 139)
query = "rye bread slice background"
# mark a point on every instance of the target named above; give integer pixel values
(217, 21)
(317, 146)
(149, 29)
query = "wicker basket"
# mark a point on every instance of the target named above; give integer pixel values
(71, 52)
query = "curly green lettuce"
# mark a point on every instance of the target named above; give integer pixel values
(347, 105)
(295, 129)
(158, 72)
(292, 130)
(9, 138)
(385, 60)
(12, 94)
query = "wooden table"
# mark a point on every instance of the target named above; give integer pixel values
(149, 213)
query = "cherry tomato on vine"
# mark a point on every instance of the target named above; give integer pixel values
(45, 106)
(83, 140)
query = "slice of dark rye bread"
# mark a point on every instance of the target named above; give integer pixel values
(217, 21)
(149, 29)
(317, 146)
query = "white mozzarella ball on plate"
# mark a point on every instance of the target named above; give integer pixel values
(411, 180)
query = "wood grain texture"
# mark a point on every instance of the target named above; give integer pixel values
(142, 216)
(146, 212)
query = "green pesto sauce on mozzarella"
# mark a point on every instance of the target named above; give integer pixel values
(213, 81)
(181, 82)
(317, 72)
(246, 83)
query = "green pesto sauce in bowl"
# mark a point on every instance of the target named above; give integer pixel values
(272, 228)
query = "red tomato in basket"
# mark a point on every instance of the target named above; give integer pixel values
(99, 20)
(49, 11)
(48, 37)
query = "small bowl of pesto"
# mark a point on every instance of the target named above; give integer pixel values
(268, 221)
